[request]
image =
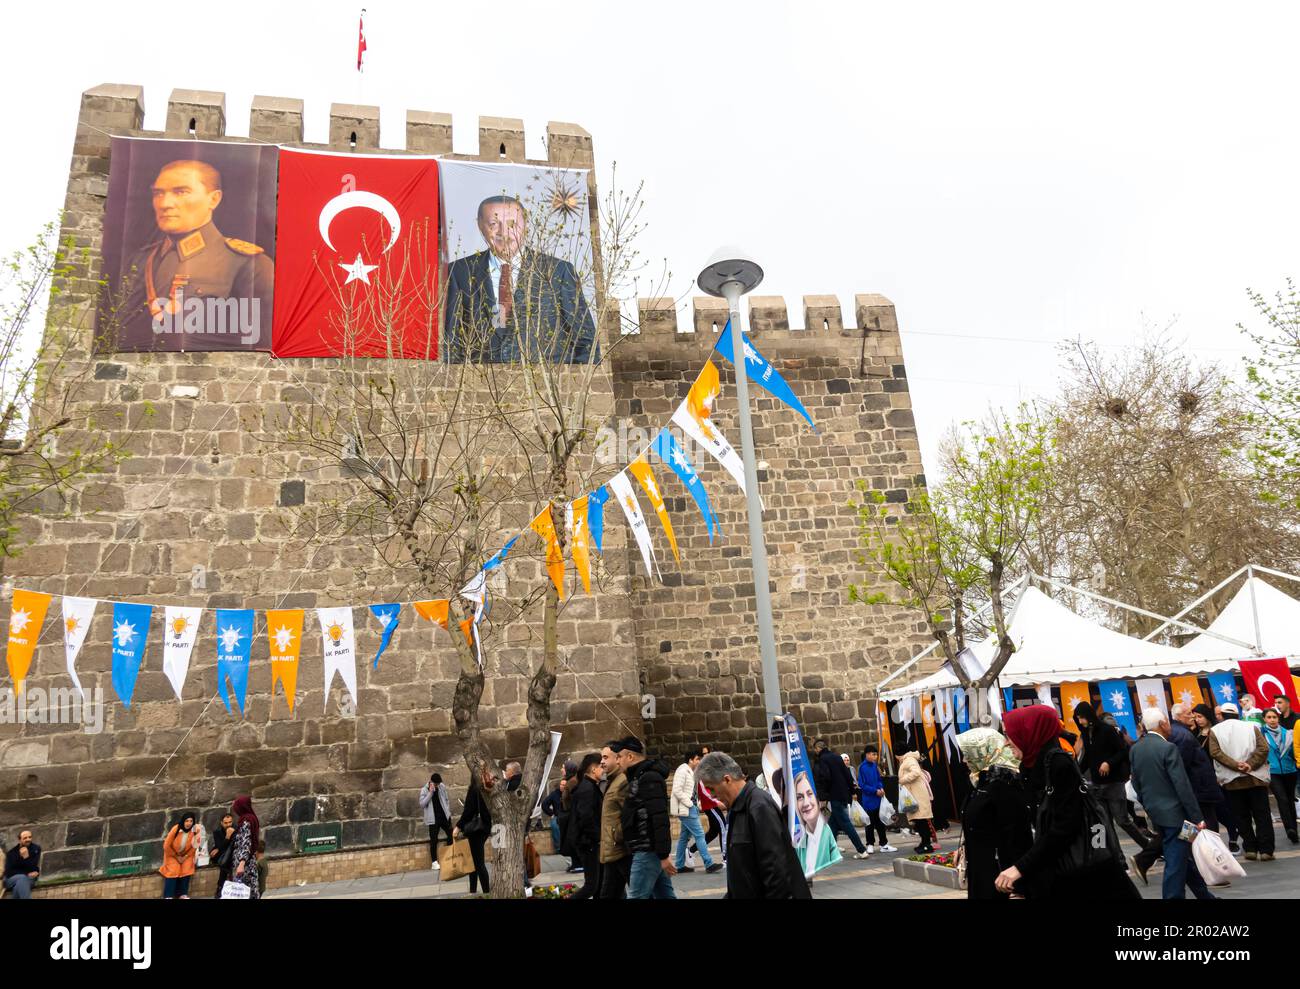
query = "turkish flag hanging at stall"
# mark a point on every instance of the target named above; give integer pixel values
(1268, 679)
(356, 256)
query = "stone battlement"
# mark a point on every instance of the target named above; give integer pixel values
(119, 109)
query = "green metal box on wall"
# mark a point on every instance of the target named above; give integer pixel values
(314, 838)
(127, 860)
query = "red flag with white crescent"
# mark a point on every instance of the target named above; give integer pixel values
(356, 256)
(361, 38)
(1268, 679)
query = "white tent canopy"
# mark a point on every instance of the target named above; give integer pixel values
(1055, 645)
(1278, 626)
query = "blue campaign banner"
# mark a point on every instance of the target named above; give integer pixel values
(1115, 699)
(667, 449)
(1008, 698)
(389, 615)
(814, 842)
(130, 632)
(963, 718)
(596, 515)
(762, 373)
(234, 646)
(1224, 688)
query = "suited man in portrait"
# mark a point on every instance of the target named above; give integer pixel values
(510, 302)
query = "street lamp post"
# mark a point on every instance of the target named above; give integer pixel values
(729, 274)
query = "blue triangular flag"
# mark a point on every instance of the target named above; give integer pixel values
(762, 373)
(596, 515)
(130, 632)
(667, 449)
(500, 558)
(389, 615)
(234, 646)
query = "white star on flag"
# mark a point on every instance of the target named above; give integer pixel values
(651, 488)
(751, 354)
(230, 638)
(283, 638)
(680, 460)
(1117, 699)
(1185, 698)
(1072, 703)
(385, 617)
(124, 632)
(18, 621)
(358, 270)
(1226, 691)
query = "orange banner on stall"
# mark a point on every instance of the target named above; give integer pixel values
(544, 526)
(882, 722)
(640, 468)
(927, 720)
(1186, 691)
(26, 618)
(578, 539)
(1072, 695)
(284, 630)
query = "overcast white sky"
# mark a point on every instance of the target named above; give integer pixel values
(1000, 170)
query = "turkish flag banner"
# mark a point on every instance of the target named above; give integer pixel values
(1268, 679)
(356, 256)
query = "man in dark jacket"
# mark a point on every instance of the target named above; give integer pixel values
(646, 831)
(1104, 763)
(1166, 795)
(839, 791)
(1200, 770)
(22, 866)
(761, 861)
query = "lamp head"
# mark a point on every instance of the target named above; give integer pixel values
(729, 264)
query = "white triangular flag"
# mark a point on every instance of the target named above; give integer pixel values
(709, 436)
(180, 628)
(622, 488)
(77, 613)
(340, 648)
(476, 591)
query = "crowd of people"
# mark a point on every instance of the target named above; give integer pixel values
(1048, 802)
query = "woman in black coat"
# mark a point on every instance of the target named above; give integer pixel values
(1046, 870)
(995, 820)
(476, 824)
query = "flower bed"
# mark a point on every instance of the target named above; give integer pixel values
(945, 859)
(562, 891)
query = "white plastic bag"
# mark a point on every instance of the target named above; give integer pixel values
(1213, 860)
(886, 812)
(858, 816)
(906, 802)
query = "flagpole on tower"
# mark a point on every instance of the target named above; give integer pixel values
(729, 274)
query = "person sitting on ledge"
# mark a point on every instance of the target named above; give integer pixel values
(22, 867)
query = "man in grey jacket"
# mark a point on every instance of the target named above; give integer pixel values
(437, 813)
(1166, 795)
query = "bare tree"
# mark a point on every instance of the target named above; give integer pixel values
(1155, 497)
(440, 462)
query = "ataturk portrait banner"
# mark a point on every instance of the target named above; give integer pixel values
(188, 258)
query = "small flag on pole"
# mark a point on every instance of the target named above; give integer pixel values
(361, 39)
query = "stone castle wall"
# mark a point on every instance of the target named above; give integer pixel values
(202, 489)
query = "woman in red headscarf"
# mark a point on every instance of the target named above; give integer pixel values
(1064, 861)
(243, 866)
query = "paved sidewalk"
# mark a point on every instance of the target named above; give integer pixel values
(846, 880)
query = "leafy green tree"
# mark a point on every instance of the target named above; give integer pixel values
(1273, 376)
(947, 550)
(51, 441)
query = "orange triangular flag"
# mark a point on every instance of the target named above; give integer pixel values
(435, 611)
(640, 467)
(26, 618)
(578, 539)
(544, 526)
(466, 626)
(284, 629)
